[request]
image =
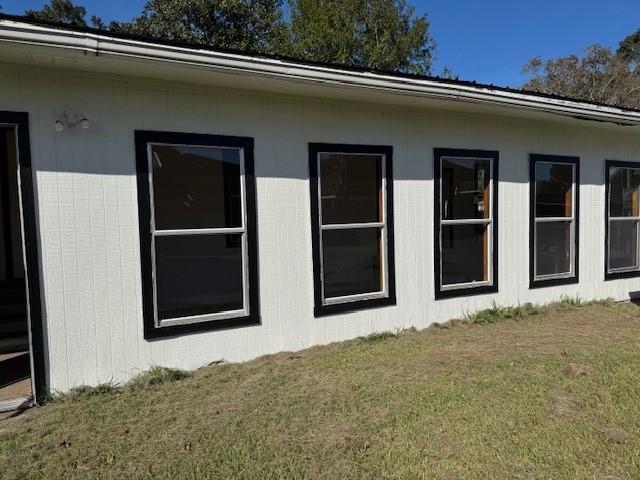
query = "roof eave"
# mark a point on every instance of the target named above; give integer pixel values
(106, 45)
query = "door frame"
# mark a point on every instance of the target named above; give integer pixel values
(20, 121)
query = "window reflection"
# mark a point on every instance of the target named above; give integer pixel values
(553, 248)
(351, 188)
(623, 244)
(196, 187)
(554, 190)
(351, 261)
(624, 185)
(198, 274)
(464, 258)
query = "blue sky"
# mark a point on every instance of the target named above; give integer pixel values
(487, 41)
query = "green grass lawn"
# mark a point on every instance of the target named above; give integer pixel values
(484, 398)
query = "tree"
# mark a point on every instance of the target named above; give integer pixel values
(629, 50)
(379, 34)
(254, 25)
(61, 11)
(601, 75)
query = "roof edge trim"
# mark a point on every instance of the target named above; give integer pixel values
(106, 44)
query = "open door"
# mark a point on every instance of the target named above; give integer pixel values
(21, 372)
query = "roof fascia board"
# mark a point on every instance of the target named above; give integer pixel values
(106, 45)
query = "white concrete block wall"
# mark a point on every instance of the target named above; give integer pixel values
(88, 220)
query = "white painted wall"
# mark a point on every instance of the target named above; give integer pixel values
(87, 207)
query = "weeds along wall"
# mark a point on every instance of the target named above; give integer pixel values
(86, 199)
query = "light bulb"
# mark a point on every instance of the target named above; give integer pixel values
(84, 123)
(59, 125)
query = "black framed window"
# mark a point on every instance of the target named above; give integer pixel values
(466, 222)
(196, 196)
(352, 226)
(622, 219)
(554, 214)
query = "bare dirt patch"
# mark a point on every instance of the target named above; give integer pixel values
(564, 405)
(578, 370)
(616, 435)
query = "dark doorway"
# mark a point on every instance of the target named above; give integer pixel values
(15, 359)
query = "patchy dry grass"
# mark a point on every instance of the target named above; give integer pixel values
(497, 313)
(156, 376)
(479, 399)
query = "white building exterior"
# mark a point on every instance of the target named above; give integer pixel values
(86, 188)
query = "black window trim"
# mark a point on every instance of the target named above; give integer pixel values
(621, 274)
(320, 308)
(535, 158)
(142, 139)
(438, 154)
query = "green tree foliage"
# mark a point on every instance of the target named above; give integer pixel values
(254, 25)
(62, 11)
(600, 75)
(379, 34)
(629, 49)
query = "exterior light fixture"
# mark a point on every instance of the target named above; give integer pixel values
(71, 120)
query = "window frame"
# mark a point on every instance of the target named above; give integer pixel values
(249, 314)
(470, 288)
(573, 276)
(385, 297)
(618, 273)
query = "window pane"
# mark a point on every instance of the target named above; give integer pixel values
(623, 192)
(623, 244)
(351, 261)
(351, 188)
(465, 188)
(196, 187)
(198, 274)
(465, 254)
(553, 248)
(554, 190)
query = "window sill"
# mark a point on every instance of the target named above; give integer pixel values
(622, 275)
(553, 282)
(151, 333)
(336, 308)
(466, 292)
